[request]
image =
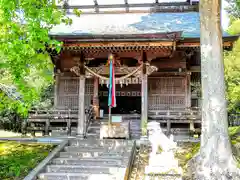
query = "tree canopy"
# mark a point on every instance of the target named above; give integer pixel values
(234, 8)
(24, 39)
(232, 61)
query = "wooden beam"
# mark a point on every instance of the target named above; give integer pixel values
(56, 87)
(119, 44)
(153, 7)
(197, 44)
(151, 54)
(96, 38)
(144, 113)
(95, 97)
(129, 45)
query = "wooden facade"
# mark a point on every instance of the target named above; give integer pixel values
(162, 75)
(158, 75)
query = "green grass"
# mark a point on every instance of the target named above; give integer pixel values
(18, 159)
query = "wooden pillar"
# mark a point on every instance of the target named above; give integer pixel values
(144, 114)
(188, 90)
(81, 99)
(95, 97)
(56, 85)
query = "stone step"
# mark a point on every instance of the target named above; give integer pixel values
(101, 145)
(82, 169)
(91, 154)
(94, 126)
(88, 162)
(93, 135)
(97, 149)
(106, 142)
(75, 176)
(93, 131)
(97, 135)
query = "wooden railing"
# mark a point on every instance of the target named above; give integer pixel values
(179, 115)
(40, 120)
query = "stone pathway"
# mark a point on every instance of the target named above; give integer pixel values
(91, 159)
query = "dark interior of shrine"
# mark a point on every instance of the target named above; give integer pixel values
(126, 103)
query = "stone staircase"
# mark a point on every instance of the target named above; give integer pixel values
(91, 159)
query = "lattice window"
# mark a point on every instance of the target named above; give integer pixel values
(167, 93)
(89, 85)
(66, 102)
(68, 92)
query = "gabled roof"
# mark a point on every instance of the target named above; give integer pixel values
(138, 23)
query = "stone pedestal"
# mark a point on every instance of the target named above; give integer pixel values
(163, 165)
(115, 130)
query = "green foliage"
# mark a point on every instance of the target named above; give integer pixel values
(234, 8)
(232, 70)
(25, 45)
(11, 120)
(234, 28)
(17, 159)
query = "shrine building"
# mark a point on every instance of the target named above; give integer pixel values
(156, 50)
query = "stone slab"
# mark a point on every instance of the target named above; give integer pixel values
(102, 141)
(84, 169)
(75, 176)
(104, 149)
(92, 154)
(87, 162)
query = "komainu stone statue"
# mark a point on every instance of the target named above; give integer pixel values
(164, 162)
(158, 139)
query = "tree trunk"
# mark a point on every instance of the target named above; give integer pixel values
(215, 159)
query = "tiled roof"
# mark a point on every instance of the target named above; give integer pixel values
(102, 24)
